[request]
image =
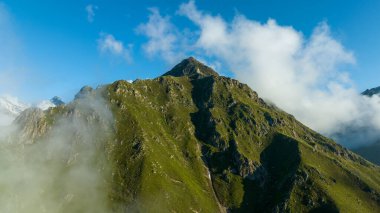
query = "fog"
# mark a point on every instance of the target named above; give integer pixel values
(65, 170)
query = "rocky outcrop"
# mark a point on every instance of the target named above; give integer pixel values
(32, 123)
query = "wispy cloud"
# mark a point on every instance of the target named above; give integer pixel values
(108, 44)
(163, 39)
(90, 9)
(73, 164)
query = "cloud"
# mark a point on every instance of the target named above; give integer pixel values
(163, 39)
(90, 9)
(59, 171)
(108, 44)
(305, 76)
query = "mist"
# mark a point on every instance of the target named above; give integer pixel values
(57, 163)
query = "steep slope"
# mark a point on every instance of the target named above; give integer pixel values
(192, 140)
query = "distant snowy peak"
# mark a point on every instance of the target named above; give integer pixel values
(10, 108)
(11, 105)
(46, 104)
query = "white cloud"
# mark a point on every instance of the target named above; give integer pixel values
(108, 44)
(163, 39)
(297, 74)
(90, 9)
(303, 75)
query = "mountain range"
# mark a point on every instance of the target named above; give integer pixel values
(11, 107)
(193, 141)
(371, 92)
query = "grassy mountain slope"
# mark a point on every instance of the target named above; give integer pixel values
(195, 141)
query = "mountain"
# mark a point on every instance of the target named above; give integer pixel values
(57, 101)
(371, 92)
(192, 69)
(192, 141)
(53, 102)
(13, 107)
(10, 107)
(371, 151)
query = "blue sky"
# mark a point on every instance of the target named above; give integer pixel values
(54, 47)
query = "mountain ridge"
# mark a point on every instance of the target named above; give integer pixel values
(371, 92)
(191, 68)
(12, 105)
(191, 140)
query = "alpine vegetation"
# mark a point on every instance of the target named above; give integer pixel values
(187, 141)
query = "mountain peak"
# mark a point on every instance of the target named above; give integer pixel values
(192, 68)
(57, 101)
(371, 92)
(11, 105)
(83, 92)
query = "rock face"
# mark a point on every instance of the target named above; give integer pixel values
(194, 141)
(11, 105)
(33, 124)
